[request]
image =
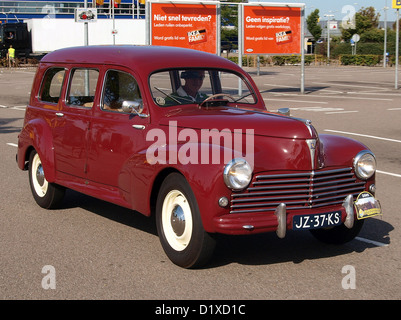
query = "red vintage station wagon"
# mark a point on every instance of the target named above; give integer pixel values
(185, 135)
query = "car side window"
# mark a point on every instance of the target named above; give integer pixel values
(52, 84)
(118, 87)
(82, 88)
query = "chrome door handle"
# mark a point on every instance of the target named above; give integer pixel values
(138, 126)
(59, 114)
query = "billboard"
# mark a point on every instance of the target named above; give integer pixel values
(272, 29)
(396, 4)
(185, 25)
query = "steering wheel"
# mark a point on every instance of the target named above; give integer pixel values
(214, 96)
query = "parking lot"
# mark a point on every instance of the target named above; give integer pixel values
(101, 251)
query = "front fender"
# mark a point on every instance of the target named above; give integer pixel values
(208, 185)
(338, 150)
(141, 178)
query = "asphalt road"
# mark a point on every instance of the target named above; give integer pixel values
(96, 250)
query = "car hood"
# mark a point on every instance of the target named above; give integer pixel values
(263, 123)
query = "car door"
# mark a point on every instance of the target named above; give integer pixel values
(116, 136)
(71, 132)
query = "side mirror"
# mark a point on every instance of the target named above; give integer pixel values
(284, 111)
(135, 106)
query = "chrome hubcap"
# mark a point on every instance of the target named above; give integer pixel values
(40, 175)
(178, 220)
(40, 183)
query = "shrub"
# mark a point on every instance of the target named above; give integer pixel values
(360, 59)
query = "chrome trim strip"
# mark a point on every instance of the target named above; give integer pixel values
(303, 174)
(303, 188)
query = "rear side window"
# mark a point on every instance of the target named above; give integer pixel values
(52, 84)
(82, 88)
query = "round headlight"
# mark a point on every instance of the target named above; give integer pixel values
(365, 164)
(237, 174)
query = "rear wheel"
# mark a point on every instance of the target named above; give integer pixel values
(339, 234)
(47, 195)
(179, 224)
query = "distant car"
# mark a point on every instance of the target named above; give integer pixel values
(186, 136)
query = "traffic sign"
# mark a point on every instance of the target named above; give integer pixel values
(356, 37)
(333, 25)
(85, 15)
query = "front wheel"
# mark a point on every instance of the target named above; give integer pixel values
(339, 234)
(179, 224)
(47, 195)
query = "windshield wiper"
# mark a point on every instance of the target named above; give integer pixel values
(244, 96)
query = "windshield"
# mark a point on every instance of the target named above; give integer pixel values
(189, 86)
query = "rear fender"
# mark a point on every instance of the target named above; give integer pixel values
(37, 134)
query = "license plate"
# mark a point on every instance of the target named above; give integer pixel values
(316, 221)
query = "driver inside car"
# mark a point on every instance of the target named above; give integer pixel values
(189, 92)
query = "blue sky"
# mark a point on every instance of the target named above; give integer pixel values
(336, 7)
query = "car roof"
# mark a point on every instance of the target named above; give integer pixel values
(146, 58)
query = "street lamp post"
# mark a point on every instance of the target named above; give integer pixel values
(86, 41)
(385, 36)
(328, 36)
(397, 5)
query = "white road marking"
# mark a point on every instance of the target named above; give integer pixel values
(389, 173)
(353, 98)
(317, 109)
(375, 93)
(363, 135)
(278, 85)
(319, 96)
(22, 108)
(351, 111)
(295, 101)
(12, 144)
(350, 85)
(376, 243)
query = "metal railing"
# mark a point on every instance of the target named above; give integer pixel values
(15, 11)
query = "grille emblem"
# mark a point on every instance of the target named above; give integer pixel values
(312, 148)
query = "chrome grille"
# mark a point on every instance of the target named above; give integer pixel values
(301, 190)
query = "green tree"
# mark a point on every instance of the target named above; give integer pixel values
(366, 20)
(312, 23)
(229, 26)
(395, 25)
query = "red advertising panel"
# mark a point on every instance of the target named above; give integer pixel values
(184, 25)
(272, 30)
